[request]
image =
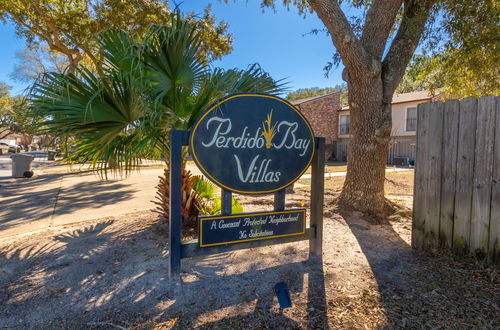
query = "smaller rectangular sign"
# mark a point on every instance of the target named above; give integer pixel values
(244, 227)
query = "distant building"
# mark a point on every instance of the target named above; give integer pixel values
(404, 127)
(17, 138)
(321, 112)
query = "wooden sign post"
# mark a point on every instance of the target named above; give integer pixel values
(248, 144)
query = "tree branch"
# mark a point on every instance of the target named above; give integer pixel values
(412, 26)
(5, 132)
(55, 43)
(379, 22)
(353, 55)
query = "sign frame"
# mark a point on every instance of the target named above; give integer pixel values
(179, 250)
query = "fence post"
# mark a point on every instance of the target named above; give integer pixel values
(317, 195)
(177, 140)
(226, 202)
(279, 200)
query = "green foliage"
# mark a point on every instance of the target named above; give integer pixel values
(213, 204)
(454, 73)
(414, 78)
(462, 74)
(124, 112)
(217, 207)
(69, 27)
(471, 24)
(465, 60)
(15, 116)
(5, 98)
(304, 93)
(204, 188)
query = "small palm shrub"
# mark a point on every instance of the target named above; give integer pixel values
(217, 206)
(198, 198)
(213, 203)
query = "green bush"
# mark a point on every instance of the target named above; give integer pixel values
(213, 204)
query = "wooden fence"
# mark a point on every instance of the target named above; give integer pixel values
(457, 177)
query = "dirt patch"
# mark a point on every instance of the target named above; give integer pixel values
(113, 272)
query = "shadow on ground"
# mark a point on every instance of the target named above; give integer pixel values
(422, 290)
(107, 273)
(115, 271)
(25, 200)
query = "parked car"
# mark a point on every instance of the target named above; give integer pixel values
(7, 147)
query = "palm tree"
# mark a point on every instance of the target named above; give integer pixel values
(123, 112)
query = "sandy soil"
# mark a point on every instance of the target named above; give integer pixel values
(112, 273)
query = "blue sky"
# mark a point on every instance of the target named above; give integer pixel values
(279, 41)
(10, 43)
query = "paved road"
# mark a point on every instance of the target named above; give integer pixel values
(56, 199)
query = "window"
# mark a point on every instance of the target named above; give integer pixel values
(344, 124)
(411, 119)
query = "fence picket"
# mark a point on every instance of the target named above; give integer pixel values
(483, 169)
(494, 239)
(465, 172)
(419, 201)
(449, 171)
(433, 176)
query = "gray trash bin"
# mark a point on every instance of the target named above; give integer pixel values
(51, 155)
(21, 165)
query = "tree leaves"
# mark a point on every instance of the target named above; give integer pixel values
(123, 112)
(69, 27)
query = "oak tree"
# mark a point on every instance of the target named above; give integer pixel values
(69, 27)
(34, 60)
(375, 48)
(466, 62)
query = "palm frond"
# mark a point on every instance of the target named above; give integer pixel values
(108, 116)
(255, 80)
(172, 55)
(219, 83)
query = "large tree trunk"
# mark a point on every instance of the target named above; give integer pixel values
(372, 78)
(370, 133)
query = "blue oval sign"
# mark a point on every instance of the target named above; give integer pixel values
(252, 143)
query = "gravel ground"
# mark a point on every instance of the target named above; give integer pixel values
(112, 273)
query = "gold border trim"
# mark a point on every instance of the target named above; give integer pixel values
(218, 217)
(258, 95)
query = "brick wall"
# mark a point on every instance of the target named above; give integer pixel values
(321, 113)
